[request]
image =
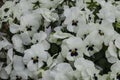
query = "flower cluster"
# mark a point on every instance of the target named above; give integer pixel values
(60, 40)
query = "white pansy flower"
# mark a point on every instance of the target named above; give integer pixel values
(30, 22)
(86, 68)
(72, 48)
(101, 34)
(106, 12)
(5, 10)
(35, 57)
(73, 18)
(91, 45)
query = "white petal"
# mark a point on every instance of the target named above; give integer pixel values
(28, 55)
(43, 56)
(112, 50)
(14, 28)
(74, 42)
(17, 41)
(70, 28)
(37, 48)
(61, 77)
(61, 35)
(64, 67)
(69, 57)
(39, 36)
(3, 74)
(45, 44)
(18, 63)
(110, 58)
(117, 42)
(1, 64)
(31, 66)
(49, 61)
(8, 68)
(25, 38)
(116, 67)
(10, 55)
(40, 64)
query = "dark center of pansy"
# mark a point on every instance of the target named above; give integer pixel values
(73, 52)
(35, 59)
(6, 9)
(100, 32)
(90, 47)
(118, 76)
(95, 77)
(29, 28)
(74, 23)
(85, 35)
(18, 78)
(100, 21)
(36, 4)
(114, 42)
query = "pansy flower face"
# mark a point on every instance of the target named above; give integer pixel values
(106, 31)
(35, 57)
(30, 23)
(73, 18)
(91, 45)
(5, 10)
(72, 48)
(107, 7)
